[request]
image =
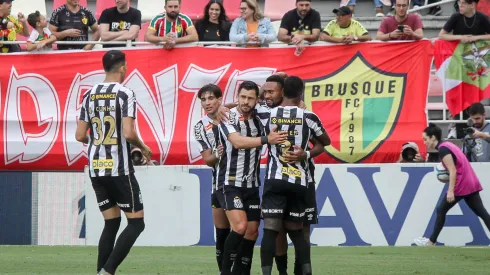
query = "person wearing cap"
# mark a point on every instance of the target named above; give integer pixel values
(402, 26)
(300, 24)
(344, 29)
(10, 27)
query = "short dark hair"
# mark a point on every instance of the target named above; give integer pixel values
(34, 18)
(210, 88)
(433, 130)
(476, 109)
(249, 85)
(276, 78)
(471, 1)
(112, 60)
(293, 87)
(171, 0)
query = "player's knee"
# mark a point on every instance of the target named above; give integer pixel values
(252, 233)
(138, 224)
(273, 224)
(306, 232)
(240, 227)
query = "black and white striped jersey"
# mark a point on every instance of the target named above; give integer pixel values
(104, 107)
(207, 135)
(239, 167)
(301, 125)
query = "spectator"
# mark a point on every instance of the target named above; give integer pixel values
(377, 3)
(476, 145)
(171, 27)
(252, 26)
(467, 25)
(10, 27)
(299, 24)
(344, 29)
(402, 26)
(41, 37)
(214, 26)
(71, 22)
(119, 23)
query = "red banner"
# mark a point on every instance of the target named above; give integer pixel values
(359, 91)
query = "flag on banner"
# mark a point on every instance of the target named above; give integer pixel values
(463, 69)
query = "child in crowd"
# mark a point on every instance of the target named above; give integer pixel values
(41, 38)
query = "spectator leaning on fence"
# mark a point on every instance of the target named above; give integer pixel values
(402, 26)
(71, 22)
(119, 23)
(171, 27)
(252, 26)
(300, 24)
(467, 25)
(10, 27)
(41, 38)
(344, 29)
(214, 26)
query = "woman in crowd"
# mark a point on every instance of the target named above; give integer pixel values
(252, 26)
(214, 26)
(463, 183)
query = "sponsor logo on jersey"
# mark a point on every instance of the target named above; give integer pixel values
(287, 121)
(291, 171)
(102, 96)
(102, 163)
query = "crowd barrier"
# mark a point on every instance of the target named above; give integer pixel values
(359, 205)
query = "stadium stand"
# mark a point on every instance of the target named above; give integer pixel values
(58, 3)
(275, 9)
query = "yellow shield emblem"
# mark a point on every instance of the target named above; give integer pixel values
(358, 105)
(85, 20)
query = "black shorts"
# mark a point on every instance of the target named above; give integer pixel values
(241, 198)
(214, 200)
(311, 211)
(123, 191)
(283, 200)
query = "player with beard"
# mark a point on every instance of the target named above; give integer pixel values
(273, 94)
(206, 132)
(171, 27)
(238, 178)
(286, 184)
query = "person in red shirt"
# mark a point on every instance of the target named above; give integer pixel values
(402, 26)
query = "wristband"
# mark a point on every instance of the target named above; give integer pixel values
(264, 140)
(308, 156)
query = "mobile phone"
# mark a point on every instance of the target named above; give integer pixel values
(400, 27)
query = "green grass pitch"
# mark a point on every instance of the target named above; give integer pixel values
(201, 260)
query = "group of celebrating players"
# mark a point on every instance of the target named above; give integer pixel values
(231, 143)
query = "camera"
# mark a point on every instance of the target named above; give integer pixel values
(137, 157)
(401, 27)
(469, 131)
(409, 151)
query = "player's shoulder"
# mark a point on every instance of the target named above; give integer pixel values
(84, 9)
(123, 89)
(59, 9)
(185, 17)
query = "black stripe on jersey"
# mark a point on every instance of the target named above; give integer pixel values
(96, 114)
(86, 102)
(107, 112)
(222, 168)
(119, 123)
(246, 164)
(258, 152)
(279, 113)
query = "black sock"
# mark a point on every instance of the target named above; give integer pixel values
(221, 235)
(243, 260)
(302, 248)
(124, 244)
(297, 265)
(229, 252)
(282, 264)
(107, 240)
(268, 248)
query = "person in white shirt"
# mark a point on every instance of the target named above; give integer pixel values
(41, 38)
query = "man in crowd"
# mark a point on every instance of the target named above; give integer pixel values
(119, 23)
(300, 24)
(344, 29)
(466, 26)
(402, 26)
(71, 22)
(171, 27)
(478, 149)
(10, 27)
